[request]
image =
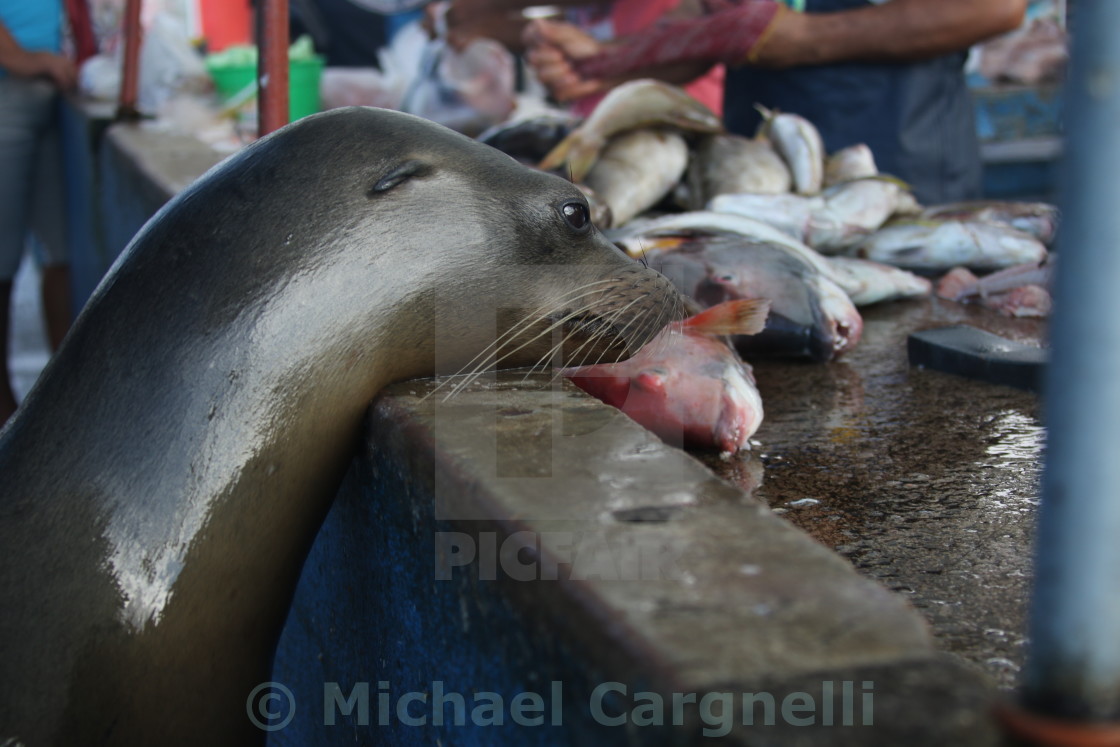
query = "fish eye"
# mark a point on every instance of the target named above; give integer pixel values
(576, 215)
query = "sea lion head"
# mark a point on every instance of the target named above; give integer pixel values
(456, 246)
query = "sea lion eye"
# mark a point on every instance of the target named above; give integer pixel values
(576, 215)
(399, 175)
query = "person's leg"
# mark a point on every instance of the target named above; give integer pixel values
(49, 223)
(7, 396)
(25, 108)
(56, 303)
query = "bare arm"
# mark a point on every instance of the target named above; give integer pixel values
(894, 31)
(755, 32)
(19, 61)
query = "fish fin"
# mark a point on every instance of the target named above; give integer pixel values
(578, 151)
(558, 156)
(662, 243)
(745, 316)
(889, 179)
(583, 154)
(637, 247)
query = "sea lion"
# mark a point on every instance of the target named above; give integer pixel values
(164, 480)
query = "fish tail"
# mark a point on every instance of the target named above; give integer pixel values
(557, 156)
(577, 151)
(638, 246)
(745, 316)
(582, 156)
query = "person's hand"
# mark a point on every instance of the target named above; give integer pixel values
(463, 21)
(60, 70)
(553, 47)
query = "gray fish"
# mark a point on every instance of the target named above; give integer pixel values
(798, 142)
(630, 106)
(868, 282)
(810, 316)
(1039, 219)
(636, 169)
(729, 164)
(846, 164)
(638, 233)
(938, 245)
(828, 222)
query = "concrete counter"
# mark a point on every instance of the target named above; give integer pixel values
(593, 556)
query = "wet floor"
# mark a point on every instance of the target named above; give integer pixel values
(926, 481)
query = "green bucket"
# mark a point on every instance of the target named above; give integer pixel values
(303, 83)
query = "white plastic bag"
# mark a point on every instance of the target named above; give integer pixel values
(467, 91)
(168, 64)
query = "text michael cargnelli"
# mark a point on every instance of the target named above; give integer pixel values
(834, 703)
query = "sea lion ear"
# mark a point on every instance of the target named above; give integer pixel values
(398, 175)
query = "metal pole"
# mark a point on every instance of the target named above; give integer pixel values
(126, 107)
(272, 66)
(1073, 667)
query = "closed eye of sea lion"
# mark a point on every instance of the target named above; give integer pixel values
(163, 482)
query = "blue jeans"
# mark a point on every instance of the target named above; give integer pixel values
(32, 189)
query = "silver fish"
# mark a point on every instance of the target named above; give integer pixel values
(636, 169)
(810, 316)
(846, 164)
(937, 245)
(798, 142)
(829, 222)
(630, 106)
(637, 236)
(1039, 219)
(868, 282)
(728, 164)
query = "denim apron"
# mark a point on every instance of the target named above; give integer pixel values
(917, 117)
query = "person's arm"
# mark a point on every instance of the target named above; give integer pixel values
(21, 62)
(766, 34)
(899, 30)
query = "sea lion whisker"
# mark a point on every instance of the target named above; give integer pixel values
(609, 325)
(527, 322)
(470, 378)
(471, 367)
(541, 362)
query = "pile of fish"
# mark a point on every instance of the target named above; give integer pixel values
(732, 219)
(650, 148)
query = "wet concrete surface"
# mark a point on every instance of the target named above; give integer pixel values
(925, 481)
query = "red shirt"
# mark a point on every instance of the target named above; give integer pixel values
(631, 16)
